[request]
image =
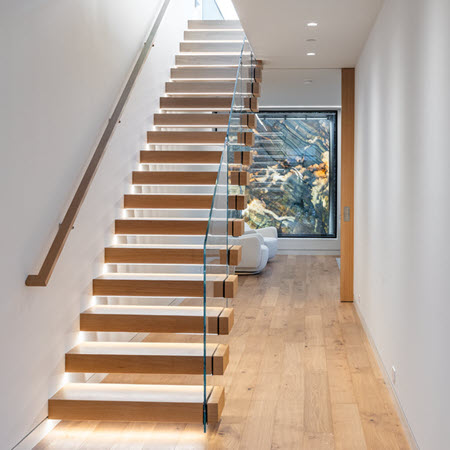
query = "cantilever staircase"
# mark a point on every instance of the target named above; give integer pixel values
(156, 265)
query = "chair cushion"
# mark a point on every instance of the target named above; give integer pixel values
(272, 245)
(260, 267)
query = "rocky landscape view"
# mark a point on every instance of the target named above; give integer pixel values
(290, 176)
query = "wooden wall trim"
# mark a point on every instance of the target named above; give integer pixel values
(347, 182)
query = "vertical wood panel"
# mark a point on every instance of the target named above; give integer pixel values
(347, 182)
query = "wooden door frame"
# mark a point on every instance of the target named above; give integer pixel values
(347, 182)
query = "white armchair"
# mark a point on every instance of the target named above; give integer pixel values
(254, 253)
(269, 235)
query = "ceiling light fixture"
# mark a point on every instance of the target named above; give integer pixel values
(311, 40)
(312, 24)
(311, 54)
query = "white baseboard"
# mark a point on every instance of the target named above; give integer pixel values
(398, 406)
(308, 252)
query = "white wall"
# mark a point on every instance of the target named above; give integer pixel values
(63, 66)
(402, 207)
(286, 87)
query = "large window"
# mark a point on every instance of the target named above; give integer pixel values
(293, 176)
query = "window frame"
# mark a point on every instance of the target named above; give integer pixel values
(333, 168)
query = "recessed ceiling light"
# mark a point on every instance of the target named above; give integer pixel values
(308, 81)
(311, 54)
(312, 24)
(311, 40)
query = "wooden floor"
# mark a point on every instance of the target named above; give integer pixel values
(302, 375)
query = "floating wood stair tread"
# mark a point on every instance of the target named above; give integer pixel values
(222, 103)
(212, 47)
(158, 225)
(214, 25)
(214, 35)
(156, 319)
(176, 226)
(180, 201)
(186, 137)
(135, 402)
(166, 254)
(209, 87)
(204, 120)
(199, 120)
(230, 60)
(185, 178)
(147, 357)
(181, 178)
(210, 73)
(165, 285)
(180, 157)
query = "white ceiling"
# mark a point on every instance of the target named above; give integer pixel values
(278, 33)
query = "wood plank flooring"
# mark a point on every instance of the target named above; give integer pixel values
(301, 375)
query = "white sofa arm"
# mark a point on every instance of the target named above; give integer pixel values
(270, 232)
(248, 230)
(251, 249)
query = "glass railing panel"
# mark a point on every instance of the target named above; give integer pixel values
(225, 221)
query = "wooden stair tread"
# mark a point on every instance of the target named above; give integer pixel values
(182, 201)
(186, 137)
(160, 276)
(212, 46)
(203, 120)
(166, 254)
(211, 59)
(131, 392)
(180, 87)
(208, 103)
(178, 226)
(192, 119)
(167, 201)
(189, 311)
(136, 402)
(156, 319)
(214, 25)
(208, 73)
(214, 35)
(171, 177)
(180, 156)
(165, 285)
(143, 348)
(147, 357)
(240, 178)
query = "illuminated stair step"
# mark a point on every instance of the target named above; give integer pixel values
(211, 73)
(162, 285)
(218, 226)
(181, 178)
(165, 254)
(220, 103)
(211, 87)
(214, 35)
(136, 402)
(213, 47)
(147, 357)
(214, 25)
(213, 60)
(156, 319)
(183, 201)
(186, 137)
(202, 119)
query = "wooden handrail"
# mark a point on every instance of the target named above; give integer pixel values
(43, 277)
